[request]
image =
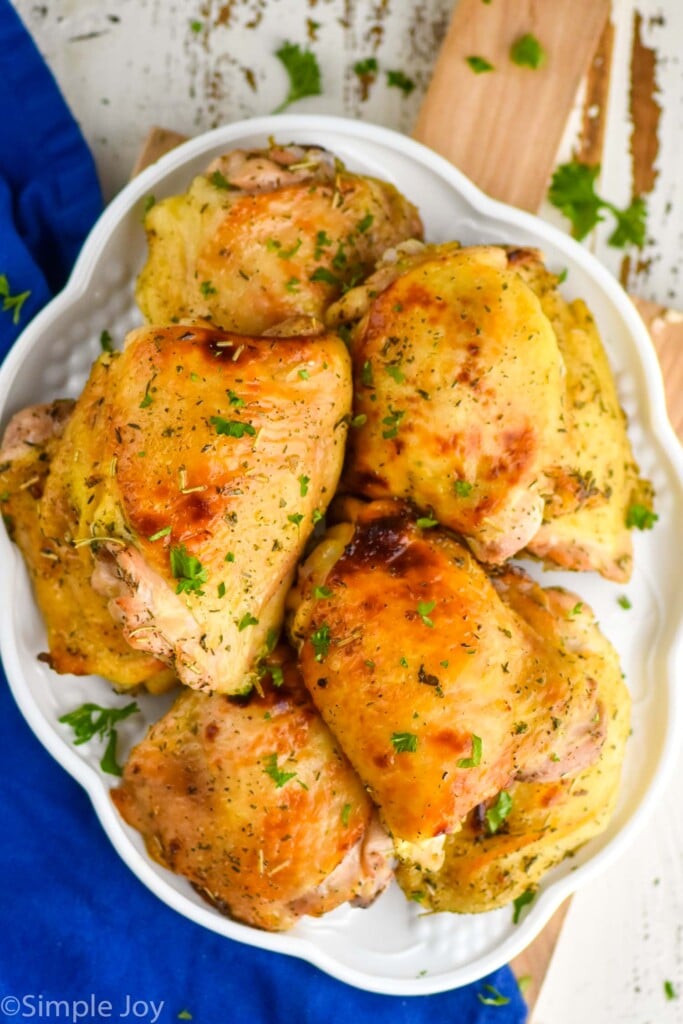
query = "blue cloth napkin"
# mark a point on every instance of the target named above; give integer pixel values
(77, 926)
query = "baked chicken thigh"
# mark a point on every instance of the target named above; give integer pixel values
(507, 843)
(197, 475)
(439, 693)
(265, 235)
(251, 799)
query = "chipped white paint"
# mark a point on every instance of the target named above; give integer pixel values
(128, 64)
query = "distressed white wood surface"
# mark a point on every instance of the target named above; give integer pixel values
(128, 64)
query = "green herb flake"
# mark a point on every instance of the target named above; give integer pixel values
(235, 401)
(321, 593)
(296, 518)
(475, 760)
(163, 532)
(399, 80)
(462, 488)
(91, 720)
(196, 26)
(206, 288)
(320, 641)
(576, 610)
(425, 523)
(572, 191)
(230, 557)
(247, 620)
(404, 742)
(624, 602)
(345, 815)
(292, 285)
(219, 180)
(148, 203)
(524, 983)
(221, 589)
(303, 72)
(304, 481)
(392, 422)
(366, 223)
(424, 608)
(304, 374)
(527, 52)
(395, 372)
(670, 991)
(232, 428)
(317, 515)
(184, 1015)
(106, 342)
(366, 375)
(276, 674)
(522, 901)
(325, 275)
(492, 997)
(498, 812)
(365, 67)
(279, 777)
(187, 570)
(359, 420)
(641, 517)
(287, 254)
(479, 64)
(12, 302)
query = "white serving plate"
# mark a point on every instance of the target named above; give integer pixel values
(392, 947)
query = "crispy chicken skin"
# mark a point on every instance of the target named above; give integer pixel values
(486, 867)
(598, 453)
(83, 639)
(252, 800)
(268, 234)
(458, 374)
(439, 693)
(197, 478)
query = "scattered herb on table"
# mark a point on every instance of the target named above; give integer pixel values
(669, 990)
(304, 73)
(492, 997)
(479, 64)
(92, 720)
(527, 52)
(399, 80)
(624, 602)
(11, 302)
(572, 191)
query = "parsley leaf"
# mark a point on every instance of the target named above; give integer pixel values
(496, 815)
(572, 191)
(425, 523)
(321, 593)
(523, 900)
(231, 428)
(304, 481)
(106, 342)
(365, 67)
(462, 488)
(423, 610)
(495, 998)
(206, 288)
(247, 620)
(399, 80)
(278, 777)
(188, 570)
(163, 532)
(404, 742)
(624, 602)
(11, 302)
(527, 52)
(303, 71)
(324, 275)
(320, 641)
(92, 720)
(641, 517)
(219, 180)
(392, 423)
(669, 990)
(475, 760)
(345, 815)
(479, 64)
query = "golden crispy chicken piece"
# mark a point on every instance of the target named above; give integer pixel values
(252, 801)
(83, 639)
(509, 842)
(459, 378)
(197, 477)
(438, 692)
(264, 235)
(597, 450)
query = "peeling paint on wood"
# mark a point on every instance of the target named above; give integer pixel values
(594, 112)
(645, 112)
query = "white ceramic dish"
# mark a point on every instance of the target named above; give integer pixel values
(392, 947)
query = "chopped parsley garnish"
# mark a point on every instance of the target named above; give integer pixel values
(304, 481)
(206, 288)
(219, 180)
(479, 64)
(286, 254)
(572, 191)
(365, 67)
(624, 602)
(366, 375)
(320, 641)
(404, 742)
(321, 593)
(303, 71)
(92, 720)
(293, 284)
(462, 488)
(12, 302)
(323, 274)
(196, 26)
(493, 998)
(576, 610)
(276, 674)
(399, 80)
(188, 570)
(359, 420)
(247, 620)
(235, 399)
(522, 901)
(496, 815)
(106, 342)
(296, 518)
(184, 1015)
(425, 523)
(669, 990)
(147, 399)
(395, 372)
(475, 760)
(304, 374)
(221, 589)
(279, 777)
(423, 610)
(527, 52)
(163, 532)
(231, 428)
(641, 517)
(316, 515)
(366, 223)
(230, 557)
(345, 815)
(392, 422)
(148, 203)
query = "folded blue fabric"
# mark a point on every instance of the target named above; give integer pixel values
(77, 926)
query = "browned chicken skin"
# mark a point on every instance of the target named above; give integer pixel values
(265, 235)
(438, 692)
(205, 464)
(251, 799)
